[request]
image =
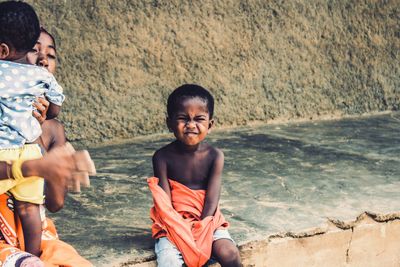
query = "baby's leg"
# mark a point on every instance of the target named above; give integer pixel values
(167, 254)
(31, 225)
(224, 250)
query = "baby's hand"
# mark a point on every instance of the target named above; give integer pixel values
(41, 105)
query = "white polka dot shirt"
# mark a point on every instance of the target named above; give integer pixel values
(20, 84)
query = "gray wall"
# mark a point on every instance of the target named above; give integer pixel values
(262, 60)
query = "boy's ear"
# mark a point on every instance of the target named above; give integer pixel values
(4, 51)
(168, 122)
(210, 125)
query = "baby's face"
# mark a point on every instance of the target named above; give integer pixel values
(44, 53)
(191, 123)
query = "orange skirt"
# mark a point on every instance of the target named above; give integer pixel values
(179, 220)
(54, 251)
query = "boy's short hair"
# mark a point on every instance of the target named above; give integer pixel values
(189, 91)
(19, 25)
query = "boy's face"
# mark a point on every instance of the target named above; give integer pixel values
(191, 122)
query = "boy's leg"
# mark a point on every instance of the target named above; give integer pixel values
(167, 254)
(224, 249)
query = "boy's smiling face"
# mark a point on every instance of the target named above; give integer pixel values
(191, 122)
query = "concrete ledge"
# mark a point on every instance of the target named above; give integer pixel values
(370, 240)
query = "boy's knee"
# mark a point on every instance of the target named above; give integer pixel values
(229, 256)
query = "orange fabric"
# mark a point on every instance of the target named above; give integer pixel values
(179, 220)
(54, 251)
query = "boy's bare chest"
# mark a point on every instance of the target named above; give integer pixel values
(193, 172)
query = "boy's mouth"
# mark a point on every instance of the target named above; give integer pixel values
(190, 133)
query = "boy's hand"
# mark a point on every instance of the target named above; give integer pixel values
(41, 105)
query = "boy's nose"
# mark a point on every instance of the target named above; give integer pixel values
(190, 124)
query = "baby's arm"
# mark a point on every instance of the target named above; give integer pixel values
(214, 185)
(55, 96)
(31, 226)
(160, 171)
(53, 111)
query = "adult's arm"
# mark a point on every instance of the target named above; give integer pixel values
(56, 166)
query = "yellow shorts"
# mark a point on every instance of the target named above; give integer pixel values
(29, 189)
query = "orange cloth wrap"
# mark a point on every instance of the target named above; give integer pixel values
(179, 220)
(54, 251)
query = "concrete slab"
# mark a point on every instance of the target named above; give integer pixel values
(278, 179)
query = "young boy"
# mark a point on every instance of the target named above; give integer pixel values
(186, 216)
(20, 84)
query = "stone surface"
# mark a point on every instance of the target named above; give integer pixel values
(262, 60)
(285, 181)
(366, 243)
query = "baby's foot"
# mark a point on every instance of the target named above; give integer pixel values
(31, 261)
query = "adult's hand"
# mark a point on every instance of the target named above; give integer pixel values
(41, 105)
(56, 166)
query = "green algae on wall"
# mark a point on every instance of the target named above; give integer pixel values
(262, 60)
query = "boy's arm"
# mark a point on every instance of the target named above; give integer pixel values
(53, 111)
(160, 171)
(214, 186)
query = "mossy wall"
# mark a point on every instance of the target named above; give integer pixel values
(262, 60)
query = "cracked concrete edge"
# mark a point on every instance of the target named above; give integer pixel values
(364, 217)
(332, 225)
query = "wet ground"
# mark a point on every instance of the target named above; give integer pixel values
(277, 178)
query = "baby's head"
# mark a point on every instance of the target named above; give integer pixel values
(19, 30)
(190, 110)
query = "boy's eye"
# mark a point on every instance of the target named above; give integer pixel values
(51, 56)
(33, 50)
